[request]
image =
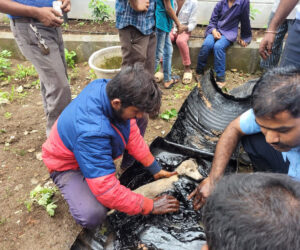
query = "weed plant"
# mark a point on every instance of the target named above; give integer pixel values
(70, 58)
(43, 197)
(5, 62)
(100, 10)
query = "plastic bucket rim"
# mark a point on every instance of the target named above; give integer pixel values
(91, 59)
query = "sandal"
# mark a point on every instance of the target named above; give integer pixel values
(159, 76)
(170, 84)
(187, 77)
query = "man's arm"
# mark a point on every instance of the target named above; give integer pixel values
(284, 8)
(225, 147)
(138, 148)
(172, 14)
(46, 15)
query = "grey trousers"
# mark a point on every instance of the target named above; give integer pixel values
(51, 68)
(137, 47)
(291, 53)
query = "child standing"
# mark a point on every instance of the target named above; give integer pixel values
(186, 11)
(221, 32)
(164, 16)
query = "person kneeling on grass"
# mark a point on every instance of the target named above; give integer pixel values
(221, 32)
(93, 130)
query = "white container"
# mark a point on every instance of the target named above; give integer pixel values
(98, 57)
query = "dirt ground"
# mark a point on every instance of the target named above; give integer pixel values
(22, 133)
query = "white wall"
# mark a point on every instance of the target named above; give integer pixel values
(80, 10)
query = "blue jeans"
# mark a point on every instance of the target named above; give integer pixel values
(164, 49)
(219, 47)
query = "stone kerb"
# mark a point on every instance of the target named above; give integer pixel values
(245, 59)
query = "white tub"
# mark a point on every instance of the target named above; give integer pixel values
(98, 57)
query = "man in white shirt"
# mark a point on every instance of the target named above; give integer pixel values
(186, 11)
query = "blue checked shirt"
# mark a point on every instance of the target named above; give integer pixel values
(143, 21)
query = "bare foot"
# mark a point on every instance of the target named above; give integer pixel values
(221, 84)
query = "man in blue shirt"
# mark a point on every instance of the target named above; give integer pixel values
(270, 131)
(36, 28)
(221, 32)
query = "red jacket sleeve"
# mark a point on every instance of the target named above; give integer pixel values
(138, 148)
(110, 193)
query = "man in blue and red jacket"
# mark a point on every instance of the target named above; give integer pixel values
(93, 130)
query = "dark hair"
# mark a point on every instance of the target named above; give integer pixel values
(259, 211)
(277, 90)
(134, 86)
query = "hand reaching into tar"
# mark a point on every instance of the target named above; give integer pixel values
(163, 174)
(165, 204)
(201, 192)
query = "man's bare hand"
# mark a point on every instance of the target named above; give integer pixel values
(201, 192)
(181, 28)
(242, 43)
(165, 204)
(139, 5)
(163, 174)
(49, 17)
(265, 47)
(216, 34)
(66, 5)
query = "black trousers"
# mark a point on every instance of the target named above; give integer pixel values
(263, 156)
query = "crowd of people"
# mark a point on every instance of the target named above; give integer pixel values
(109, 117)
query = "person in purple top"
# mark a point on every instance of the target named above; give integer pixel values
(221, 32)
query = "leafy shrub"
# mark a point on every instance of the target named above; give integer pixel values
(100, 10)
(253, 12)
(168, 114)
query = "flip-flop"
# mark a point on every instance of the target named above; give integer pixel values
(159, 76)
(187, 78)
(174, 79)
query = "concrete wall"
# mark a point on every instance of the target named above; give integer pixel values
(80, 10)
(246, 59)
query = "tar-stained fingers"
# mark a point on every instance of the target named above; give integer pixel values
(265, 47)
(165, 204)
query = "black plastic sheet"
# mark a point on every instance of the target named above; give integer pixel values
(202, 118)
